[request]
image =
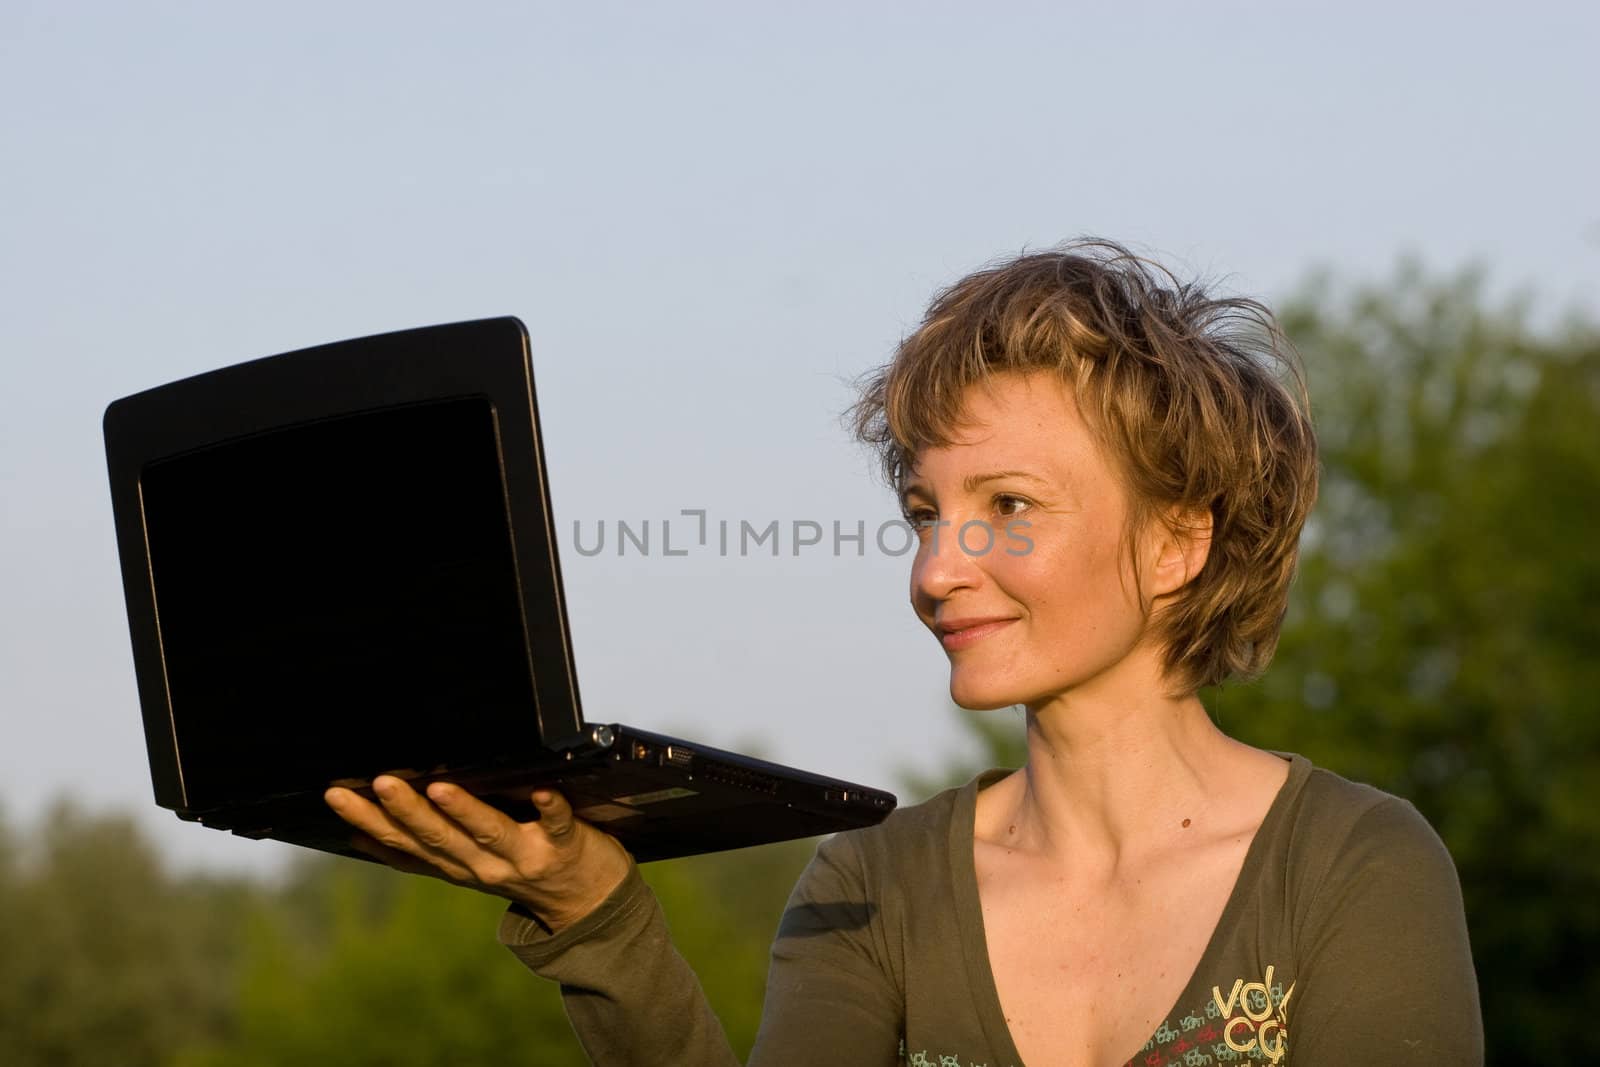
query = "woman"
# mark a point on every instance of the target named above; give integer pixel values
(1108, 480)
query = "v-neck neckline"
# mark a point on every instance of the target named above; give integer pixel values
(969, 906)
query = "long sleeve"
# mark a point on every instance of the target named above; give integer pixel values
(831, 996)
(631, 998)
(1386, 971)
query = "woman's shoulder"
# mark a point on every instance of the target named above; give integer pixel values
(1338, 830)
(1330, 809)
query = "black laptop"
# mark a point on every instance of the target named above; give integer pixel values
(341, 562)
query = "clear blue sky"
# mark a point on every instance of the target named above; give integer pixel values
(709, 215)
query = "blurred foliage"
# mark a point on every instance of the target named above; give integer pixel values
(104, 958)
(1440, 644)
(395, 970)
(385, 969)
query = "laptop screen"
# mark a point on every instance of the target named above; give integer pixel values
(336, 599)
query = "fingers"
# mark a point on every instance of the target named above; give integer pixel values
(555, 815)
(558, 865)
(462, 839)
(405, 823)
(489, 827)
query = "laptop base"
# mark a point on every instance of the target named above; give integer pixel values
(661, 797)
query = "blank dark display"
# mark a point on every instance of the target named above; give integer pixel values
(338, 599)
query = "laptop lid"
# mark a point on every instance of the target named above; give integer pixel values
(415, 458)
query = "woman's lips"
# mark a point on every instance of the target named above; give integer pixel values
(961, 635)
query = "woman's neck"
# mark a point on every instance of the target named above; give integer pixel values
(1117, 771)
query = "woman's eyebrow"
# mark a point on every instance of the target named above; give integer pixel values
(972, 481)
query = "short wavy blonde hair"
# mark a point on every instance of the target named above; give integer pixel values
(1199, 401)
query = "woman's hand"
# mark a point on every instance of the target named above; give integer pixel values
(558, 866)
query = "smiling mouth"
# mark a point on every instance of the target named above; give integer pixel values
(952, 640)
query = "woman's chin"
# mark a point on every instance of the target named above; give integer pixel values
(975, 695)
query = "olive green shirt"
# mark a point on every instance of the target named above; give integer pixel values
(1343, 942)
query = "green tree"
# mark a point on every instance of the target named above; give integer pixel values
(395, 970)
(106, 957)
(383, 969)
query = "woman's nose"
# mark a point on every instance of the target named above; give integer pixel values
(944, 563)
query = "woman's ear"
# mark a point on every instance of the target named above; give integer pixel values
(1182, 541)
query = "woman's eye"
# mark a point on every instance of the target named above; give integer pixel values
(920, 518)
(1008, 505)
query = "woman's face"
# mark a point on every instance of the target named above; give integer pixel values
(1051, 606)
